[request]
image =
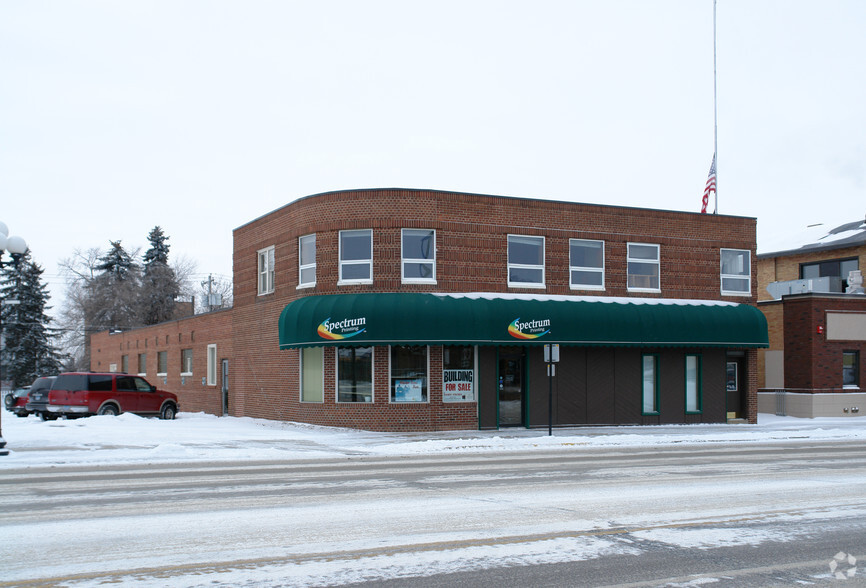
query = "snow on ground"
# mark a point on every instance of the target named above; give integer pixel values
(197, 437)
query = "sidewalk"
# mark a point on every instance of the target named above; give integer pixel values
(198, 437)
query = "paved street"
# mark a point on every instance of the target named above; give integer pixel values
(742, 513)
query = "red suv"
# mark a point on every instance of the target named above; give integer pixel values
(84, 394)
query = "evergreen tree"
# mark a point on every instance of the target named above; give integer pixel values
(29, 342)
(117, 263)
(113, 295)
(160, 287)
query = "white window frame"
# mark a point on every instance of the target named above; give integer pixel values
(183, 366)
(366, 261)
(581, 268)
(511, 266)
(301, 354)
(266, 271)
(657, 262)
(409, 260)
(212, 364)
(306, 266)
(747, 276)
(391, 376)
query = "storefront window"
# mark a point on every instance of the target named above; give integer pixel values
(408, 373)
(458, 373)
(693, 383)
(312, 376)
(354, 374)
(850, 365)
(650, 384)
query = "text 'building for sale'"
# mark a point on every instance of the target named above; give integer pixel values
(399, 310)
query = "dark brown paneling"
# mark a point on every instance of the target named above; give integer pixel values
(570, 387)
(628, 376)
(600, 386)
(713, 386)
(487, 388)
(672, 386)
(537, 388)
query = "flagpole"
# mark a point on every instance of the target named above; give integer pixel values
(715, 114)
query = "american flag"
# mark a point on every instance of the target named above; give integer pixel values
(711, 185)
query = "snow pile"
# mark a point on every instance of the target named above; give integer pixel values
(201, 437)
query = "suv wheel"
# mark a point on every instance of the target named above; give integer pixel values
(109, 409)
(9, 401)
(168, 412)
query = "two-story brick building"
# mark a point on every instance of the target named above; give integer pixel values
(817, 324)
(394, 309)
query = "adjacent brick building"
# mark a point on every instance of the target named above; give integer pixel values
(816, 313)
(399, 309)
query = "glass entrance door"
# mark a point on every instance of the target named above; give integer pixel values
(511, 369)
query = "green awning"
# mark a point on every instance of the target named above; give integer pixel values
(517, 319)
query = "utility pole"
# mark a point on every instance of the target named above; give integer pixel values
(209, 283)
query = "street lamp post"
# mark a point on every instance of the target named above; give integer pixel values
(16, 246)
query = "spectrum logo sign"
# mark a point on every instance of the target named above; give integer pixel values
(341, 330)
(529, 329)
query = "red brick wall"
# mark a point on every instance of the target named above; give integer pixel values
(471, 256)
(812, 363)
(194, 333)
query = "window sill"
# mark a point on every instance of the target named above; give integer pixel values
(266, 293)
(304, 286)
(646, 290)
(185, 374)
(725, 293)
(161, 375)
(581, 287)
(430, 282)
(354, 282)
(142, 374)
(526, 285)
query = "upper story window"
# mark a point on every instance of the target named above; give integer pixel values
(736, 273)
(830, 268)
(307, 261)
(586, 264)
(525, 261)
(356, 257)
(418, 248)
(266, 270)
(643, 267)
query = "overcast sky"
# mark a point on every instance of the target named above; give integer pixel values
(200, 116)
